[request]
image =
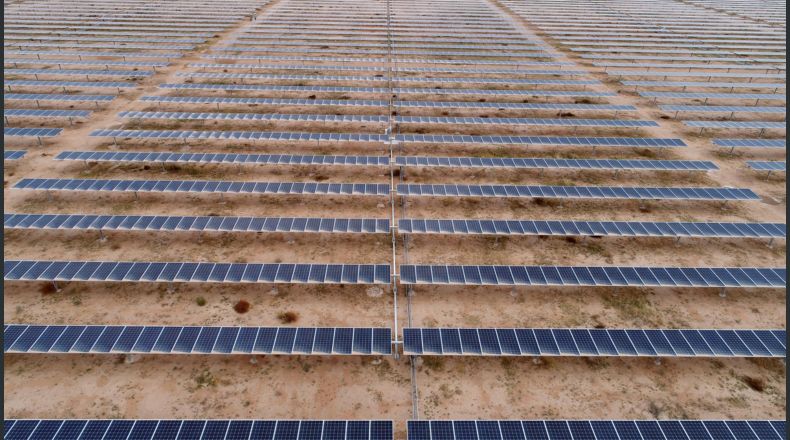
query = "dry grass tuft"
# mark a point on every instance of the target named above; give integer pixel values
(288, 317)
(47, 289)
(243, 306)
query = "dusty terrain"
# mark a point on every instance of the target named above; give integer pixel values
(92, 386)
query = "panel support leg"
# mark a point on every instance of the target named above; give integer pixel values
(723, 293)
(55, 285)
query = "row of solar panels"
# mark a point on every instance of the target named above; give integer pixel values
(750, 143)
(695, 74)
(381, 189)
(379, 103)
(593, 276)
(553, 429)
(593, 342)
(722, 108)
(45, 113)
(32, 132)
(56, 97)
(707, 96)
(382, 60)
(705, 84)
(395, 79)
(13, 154)
(591, 228)
(422, 161)
(123, 55)
(615, 123)
(64, 84)
(195, 340)
(129, 73)
(213, 429)
(23, 338)
(383, 69)
(405, 226)
(383, 90)
(736, 124)
(66, 62)
(767, 166)
(26, 270)
(406, 138)
(192, 223)
(596, 429)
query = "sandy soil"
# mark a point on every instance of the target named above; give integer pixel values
(355, 387)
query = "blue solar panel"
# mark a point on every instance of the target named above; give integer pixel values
(582, 192)
(197, 340)
(82, 72)
(751, 143)
(13, 154)
(221, 158)
(31, 132)
(551, 163)
(196, 224)
(240, 135)
(192, 272)
(212, 429)
(591, 429)
(204, 186)
(590, 276)
(767, 166)
(587, 342)
(576, 228)
(41, 113)
(56, 97)
(542, 140)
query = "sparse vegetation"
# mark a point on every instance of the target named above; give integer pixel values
(242, 306)
(288, 317)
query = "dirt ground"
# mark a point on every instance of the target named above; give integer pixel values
(318, 387)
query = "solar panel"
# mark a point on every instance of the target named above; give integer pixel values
(751, 143)
(582, 342)
(690, 95)
(183, 272)
(40, 113)
(205, 186)
(244, 135)
(704, 84)
(735, 124)
(767, 166)
(199, 429)
(104, 46)
(263, 76)
(34, 132)
(591, 228)
(542, 140)
(551, 163)
(255, 116)
(577, 192)
(581, 276)
(221, 158)
(56, 97)
(195, 223)
(722, 108)
(264, 101)
(93, 54)
(129, 73)
(692, 74)
(578, 429)
(570, 122)
(382, 90)
(13, 154)
(38, 61)
(196, 340)
(87, 84)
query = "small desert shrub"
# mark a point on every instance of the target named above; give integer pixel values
(200, 301)
(288, 317)
(47, 289)
(242, 306)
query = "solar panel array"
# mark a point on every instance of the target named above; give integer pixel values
(207, 429)
(577, 192)
(195, 223)
(13, 154)
(591, 164)
(195, 340)
(221, 158)
(552, 429)
(188, 272)
(593, 342)
(592, 228)
(767, 166)
(594, 276)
